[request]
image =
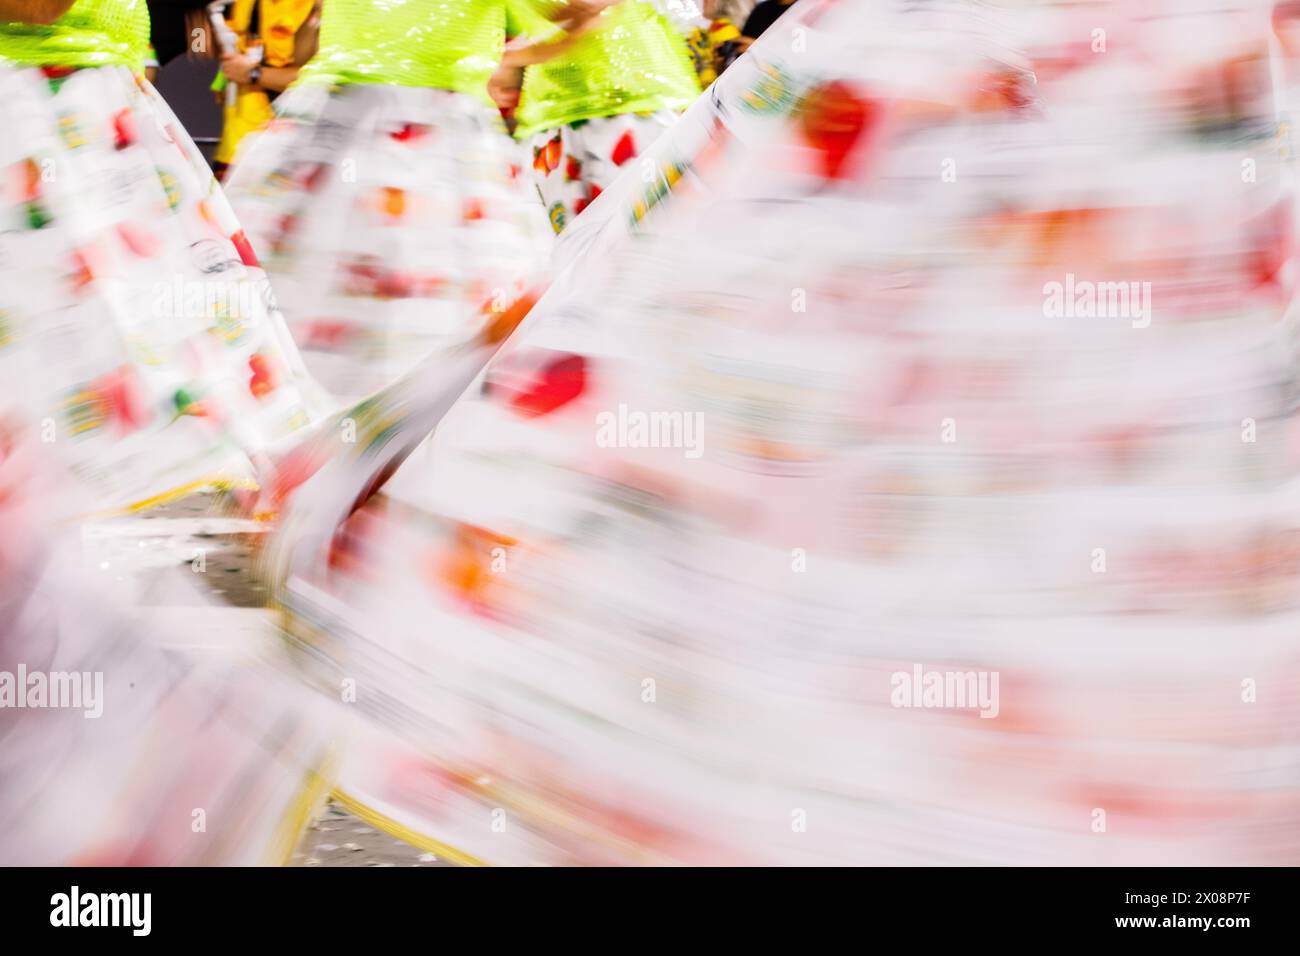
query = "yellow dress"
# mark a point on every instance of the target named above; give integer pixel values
(280, 22)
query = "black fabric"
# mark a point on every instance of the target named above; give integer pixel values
(763, 16)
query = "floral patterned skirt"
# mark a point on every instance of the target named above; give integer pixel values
(134, 332)
(393, 223)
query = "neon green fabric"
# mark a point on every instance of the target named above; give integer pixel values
(531, 17)
(446, 44)
(91, 33)
(633, 62)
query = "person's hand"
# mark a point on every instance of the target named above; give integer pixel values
(504, 86)
(238, 68)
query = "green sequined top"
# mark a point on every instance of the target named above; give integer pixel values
(445, 44)
(633, 62)
(91, 33)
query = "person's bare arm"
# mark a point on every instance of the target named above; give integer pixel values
(306, 41)
(577, 18)
(43, 12)
(508, 79)
(305, 44)
(277, 79)
(530, 54)
(575, 13)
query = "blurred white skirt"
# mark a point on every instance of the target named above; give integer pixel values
(393, 222)
(126, 738)
(132, 332)
(805, 523)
